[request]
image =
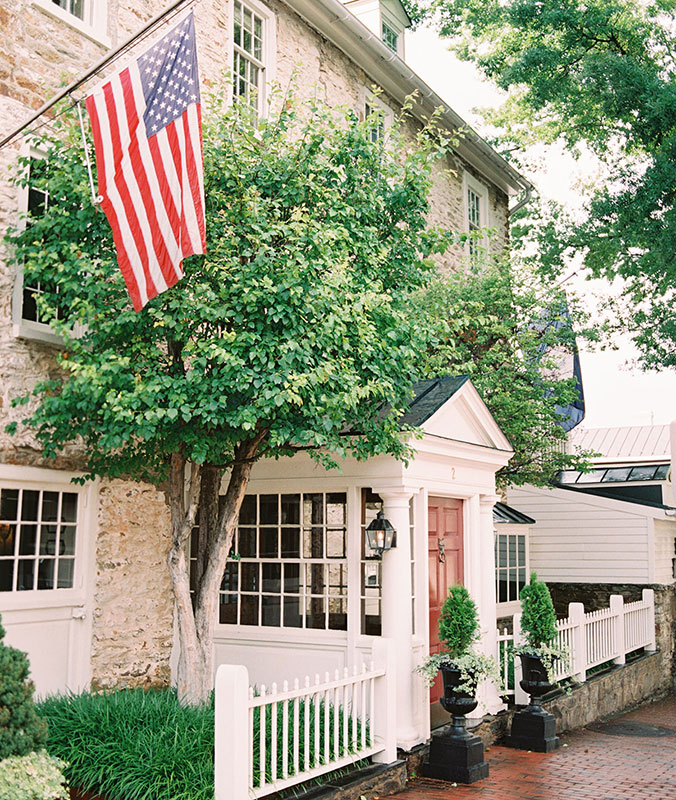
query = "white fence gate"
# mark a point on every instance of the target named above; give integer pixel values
(269, 740)
(589, 639)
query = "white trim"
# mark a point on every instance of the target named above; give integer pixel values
(269, 59)
(469, 182)
(94, 28)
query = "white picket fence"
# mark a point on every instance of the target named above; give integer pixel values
(268, 740)
(589, 639)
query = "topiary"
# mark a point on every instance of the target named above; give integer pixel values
(21, 729)
(538, 620)
(458, 622)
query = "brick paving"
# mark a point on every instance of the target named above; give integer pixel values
(592, 766)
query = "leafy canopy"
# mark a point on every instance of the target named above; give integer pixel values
(600, 73)
(511, 333)
(298, 323)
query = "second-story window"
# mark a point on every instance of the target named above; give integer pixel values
(390, 37)
(74, 7)
(473, 220)
(248, 59)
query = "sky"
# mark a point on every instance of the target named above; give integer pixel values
(616, 393)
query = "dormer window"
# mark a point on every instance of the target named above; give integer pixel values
(390, 38)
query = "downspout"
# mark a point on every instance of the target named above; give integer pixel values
(524, 200)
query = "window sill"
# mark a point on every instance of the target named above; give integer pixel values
(52, 10)
(36, 332)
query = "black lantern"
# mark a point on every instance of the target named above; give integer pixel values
(380, 535)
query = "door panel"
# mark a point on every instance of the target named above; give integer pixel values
(445, 554)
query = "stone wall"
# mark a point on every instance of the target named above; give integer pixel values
(132, 628)
(133, 606)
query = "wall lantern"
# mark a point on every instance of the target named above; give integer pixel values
(380, 535)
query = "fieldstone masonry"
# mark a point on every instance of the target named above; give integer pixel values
(133, 612)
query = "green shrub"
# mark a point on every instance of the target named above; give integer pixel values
(538, 620)
(144, 745)
(21, 729)
(458, 622)
(36, 776)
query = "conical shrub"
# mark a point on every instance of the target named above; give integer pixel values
(21, 729)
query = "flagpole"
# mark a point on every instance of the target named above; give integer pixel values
(110, 56)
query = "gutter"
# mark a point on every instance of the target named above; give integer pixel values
(339, 25)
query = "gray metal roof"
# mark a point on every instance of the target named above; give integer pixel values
(506, 514)
(597, 492)
(636, 442)
(428, 396)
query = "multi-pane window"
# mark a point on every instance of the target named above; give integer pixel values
(288, 568)
(38, 530)
(74, 7)
(376, 121)
(36, 205)
(248, 66)
(510, 565)
(473, 221)
(390, 37)
(371, 568)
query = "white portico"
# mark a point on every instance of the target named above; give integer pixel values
(302, 597)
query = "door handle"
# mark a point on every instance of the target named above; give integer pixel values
(442, 551)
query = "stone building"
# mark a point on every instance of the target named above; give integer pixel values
(83, 581)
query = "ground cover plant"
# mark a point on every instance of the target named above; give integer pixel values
(136, 744)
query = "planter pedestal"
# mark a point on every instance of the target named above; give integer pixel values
(534, 728)
(456, 756)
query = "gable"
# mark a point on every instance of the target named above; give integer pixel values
(464, 417)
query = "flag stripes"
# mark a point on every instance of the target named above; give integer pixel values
(152, 185)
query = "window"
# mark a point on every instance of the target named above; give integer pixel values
(647, 472)
(371, 568)
(476, 215)
(473, 220)
(90, 17)
(38, 530)
(248, 57)
(292, 567)
(390, 37)
(510, 565)
(74, 7)
(375, 118)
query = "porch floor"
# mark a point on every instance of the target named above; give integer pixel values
(590, 766)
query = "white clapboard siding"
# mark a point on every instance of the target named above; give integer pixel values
(665, 552)
(581, 538)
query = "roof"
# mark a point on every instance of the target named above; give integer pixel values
(636, 442)
(609, 496)
(428, 396)
(507, 514)
(385, 68)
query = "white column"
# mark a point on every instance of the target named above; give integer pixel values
(486, 599)
(396, 612)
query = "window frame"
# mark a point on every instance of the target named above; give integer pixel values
(94, 26)
(39, 478)
(268, 63)
(504, 609)
(470, 183)
(369, 100)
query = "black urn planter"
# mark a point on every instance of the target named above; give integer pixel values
(456, 755)
(533, 728)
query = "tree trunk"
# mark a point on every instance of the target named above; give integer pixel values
(197, 612)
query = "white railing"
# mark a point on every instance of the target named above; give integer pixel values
(588, 639)
(269, 740)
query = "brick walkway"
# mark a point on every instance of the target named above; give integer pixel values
(593, 766)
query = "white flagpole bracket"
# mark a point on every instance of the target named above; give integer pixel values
(97, 199)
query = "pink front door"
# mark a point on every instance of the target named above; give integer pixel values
(445, 553)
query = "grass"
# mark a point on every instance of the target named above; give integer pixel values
(135, 744)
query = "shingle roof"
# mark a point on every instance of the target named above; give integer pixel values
(428, 396)
(505, 513)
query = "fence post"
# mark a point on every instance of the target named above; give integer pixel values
(649, 597)
(579, 640)
(520, 697)
(617, 611)
(383, 715)
(231, 734)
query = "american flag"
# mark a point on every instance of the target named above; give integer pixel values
(146, 123)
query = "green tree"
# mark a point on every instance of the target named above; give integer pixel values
(600, 73)
(458, 622)
(511, 333)
(294, 329)
(21, 730)
(538, 619)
